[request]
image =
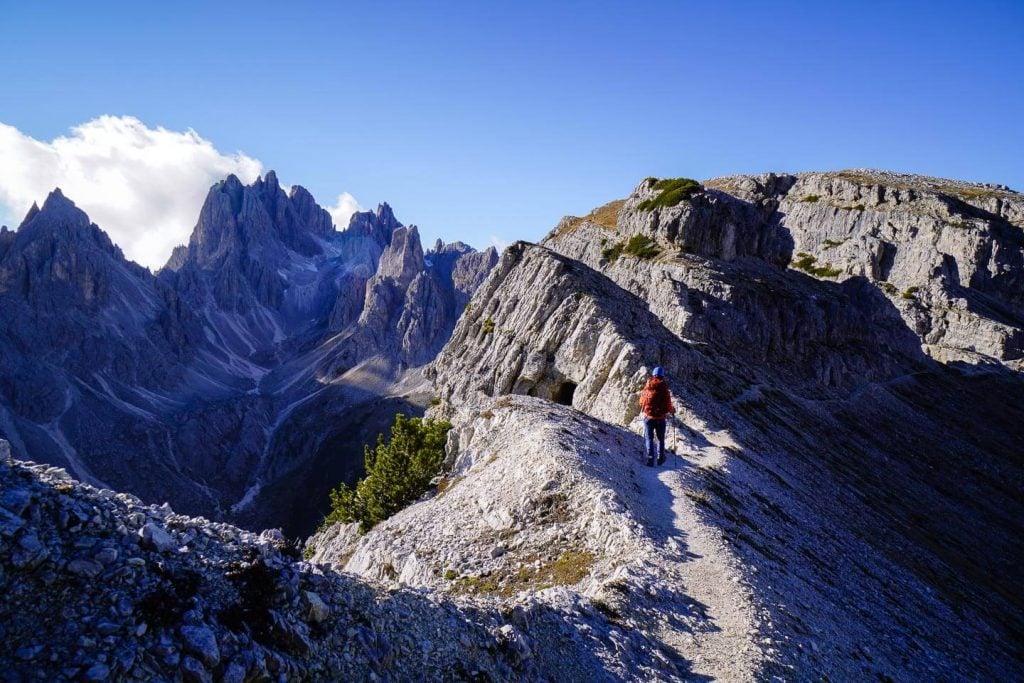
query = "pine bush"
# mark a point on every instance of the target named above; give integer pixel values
(397, 473)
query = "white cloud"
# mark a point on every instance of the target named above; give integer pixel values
(343, 209)
(498, 243)
(144, 186)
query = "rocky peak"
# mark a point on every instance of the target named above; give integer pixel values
(379, 225)
(316, 218)
(58, 253)
(402, 260)
(60, 219)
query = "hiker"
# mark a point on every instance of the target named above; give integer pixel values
(656, 404)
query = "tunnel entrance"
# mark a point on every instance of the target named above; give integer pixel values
(564, 392)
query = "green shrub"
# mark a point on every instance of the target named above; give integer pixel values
(829, 244)
(488, 326)
(805, 262)
(612, 253)
(909, 294)
(640, 246)
(859, 207)
(397, 473)
(671, 192)
(811, 198)
(889, 288)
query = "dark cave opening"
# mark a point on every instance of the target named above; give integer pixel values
(564, 392)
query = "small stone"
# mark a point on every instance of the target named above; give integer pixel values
(200, 641)
(497, 551)
(98, 672)
(5, 451)
(124, 606)
(194, 672)
(234, 673)
(106, 628)
(106, 556)
(157, 538)
(318, 610)
(9, 523)
(16, 500)
(86, 568)
(29, 652)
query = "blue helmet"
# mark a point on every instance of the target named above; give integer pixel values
(658, 372)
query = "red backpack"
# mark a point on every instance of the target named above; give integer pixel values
(655, 400)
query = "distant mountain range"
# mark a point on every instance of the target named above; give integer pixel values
(259, 359)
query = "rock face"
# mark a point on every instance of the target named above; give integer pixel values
(949, 254)
(244, 366)
(845, 499)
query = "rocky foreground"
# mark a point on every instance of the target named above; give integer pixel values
(98, 586)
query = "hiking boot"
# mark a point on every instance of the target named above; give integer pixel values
(661, 459)
(650, 462)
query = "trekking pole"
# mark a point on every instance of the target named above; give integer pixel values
(674, 433)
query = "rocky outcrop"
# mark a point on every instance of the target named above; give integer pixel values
(578, 339)
(949, 254)
(233, 369)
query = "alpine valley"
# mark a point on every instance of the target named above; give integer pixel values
(844, 501)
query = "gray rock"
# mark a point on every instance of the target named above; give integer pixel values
(9, 523)
(201, 642)
(16, 501)
(106, 556)
(29, 652)
(86, 568)
(157, 538)
(98, 672)
(5, 451)
(318, 609)
(193, 671)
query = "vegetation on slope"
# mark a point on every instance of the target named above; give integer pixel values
(806, 263)
(397, 473)
(640, 246)
(671, 192)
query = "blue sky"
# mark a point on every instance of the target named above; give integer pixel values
(479, 120)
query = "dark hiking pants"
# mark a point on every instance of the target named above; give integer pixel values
(654, 428)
